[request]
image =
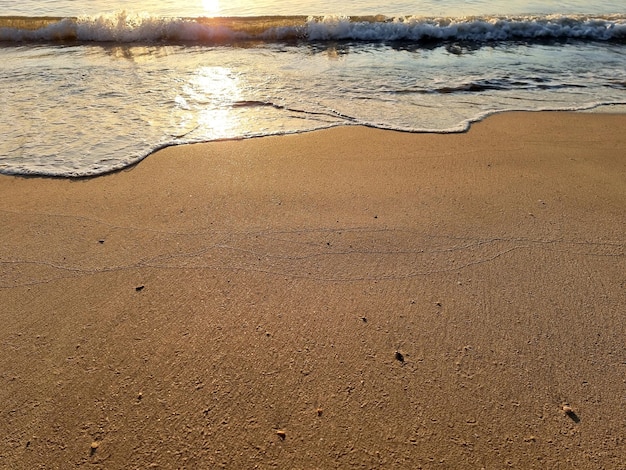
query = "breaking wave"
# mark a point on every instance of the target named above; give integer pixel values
(123, 27)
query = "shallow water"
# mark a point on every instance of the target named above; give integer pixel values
(89, 95)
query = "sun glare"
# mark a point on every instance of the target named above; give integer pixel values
(205, 104)
(212, 7)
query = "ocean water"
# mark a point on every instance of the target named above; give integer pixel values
(90, 87)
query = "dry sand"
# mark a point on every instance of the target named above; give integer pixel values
(344, 298)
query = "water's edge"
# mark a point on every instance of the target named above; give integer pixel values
(464, 127)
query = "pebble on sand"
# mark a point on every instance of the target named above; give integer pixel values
(94, 447)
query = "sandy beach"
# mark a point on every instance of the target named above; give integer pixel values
(346, 298)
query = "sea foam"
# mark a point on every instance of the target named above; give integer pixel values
(124, 27)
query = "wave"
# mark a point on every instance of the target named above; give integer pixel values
(123, 27)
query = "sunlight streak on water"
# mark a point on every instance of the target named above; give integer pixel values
(205, 103)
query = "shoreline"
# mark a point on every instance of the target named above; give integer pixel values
(344, 297)
(616, 108)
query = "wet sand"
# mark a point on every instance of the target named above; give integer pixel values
(344, 298)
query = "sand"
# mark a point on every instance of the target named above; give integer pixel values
(346, 298)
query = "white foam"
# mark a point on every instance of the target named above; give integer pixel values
(468, 29)
(124, 27)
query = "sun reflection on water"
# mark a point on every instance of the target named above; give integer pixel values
(206, 102)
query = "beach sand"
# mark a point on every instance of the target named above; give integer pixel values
(346, 298)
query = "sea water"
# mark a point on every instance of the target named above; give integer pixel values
(91, 87)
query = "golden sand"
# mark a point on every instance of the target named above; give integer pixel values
(343, 298)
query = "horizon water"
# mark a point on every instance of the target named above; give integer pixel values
(89, 88)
